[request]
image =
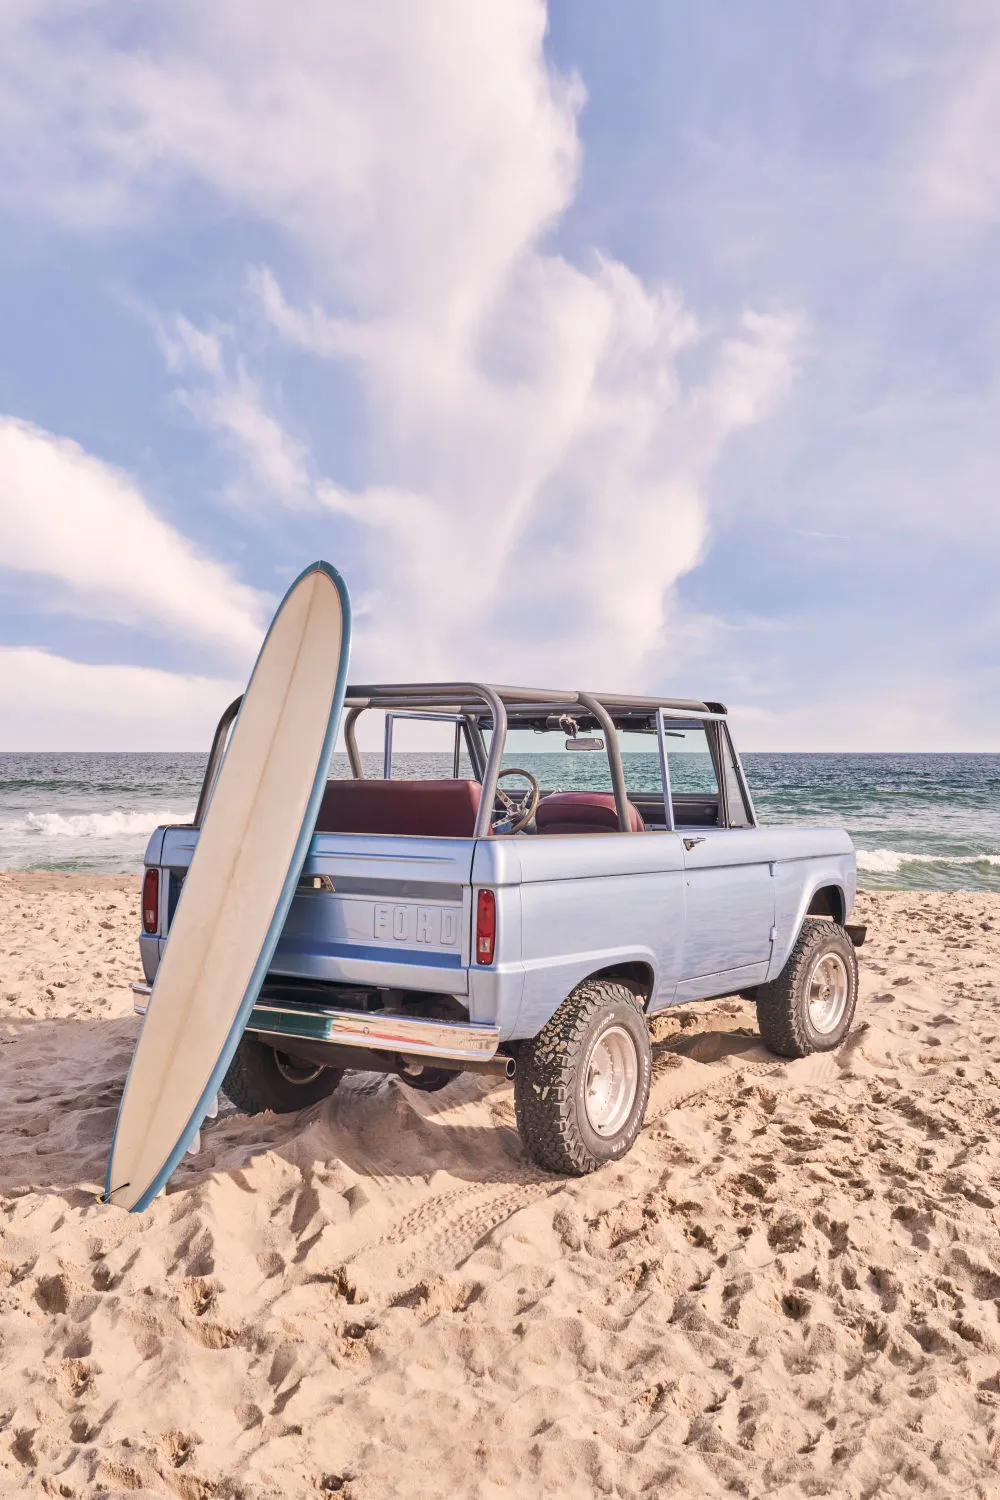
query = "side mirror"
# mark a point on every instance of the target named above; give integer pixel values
(582, 744)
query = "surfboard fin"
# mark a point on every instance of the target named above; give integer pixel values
(210, 1114)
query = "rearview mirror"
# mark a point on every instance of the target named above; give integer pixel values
(582, 744)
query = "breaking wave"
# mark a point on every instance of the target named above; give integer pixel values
(107, 825)
(891, 861)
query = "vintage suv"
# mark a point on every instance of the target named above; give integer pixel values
(450, 923)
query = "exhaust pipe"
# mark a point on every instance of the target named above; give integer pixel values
(499, 1066)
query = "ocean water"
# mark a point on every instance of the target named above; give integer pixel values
(920, 822)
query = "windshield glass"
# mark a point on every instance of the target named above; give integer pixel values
(556, 769)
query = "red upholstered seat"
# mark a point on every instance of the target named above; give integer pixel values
(434, 809)
(583, 812)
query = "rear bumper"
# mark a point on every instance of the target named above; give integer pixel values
(368, 1030)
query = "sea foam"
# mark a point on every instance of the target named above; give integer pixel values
(107, 825)
(891, 861)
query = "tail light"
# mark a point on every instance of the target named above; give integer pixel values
(486, 927)
(151, 901)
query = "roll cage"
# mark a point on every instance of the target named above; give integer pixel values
(476, 706)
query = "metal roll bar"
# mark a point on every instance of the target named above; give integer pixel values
(215, 759)
(614, 759)
(467, 701)
(351, 741)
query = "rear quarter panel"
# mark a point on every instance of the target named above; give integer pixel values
(571, 905)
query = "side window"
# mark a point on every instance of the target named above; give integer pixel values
(641, 764)
(739, 813)
(692, 769)
(422, 748)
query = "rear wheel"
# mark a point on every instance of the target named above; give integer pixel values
(810, 1006)
(262, 1077)
(582, 1083)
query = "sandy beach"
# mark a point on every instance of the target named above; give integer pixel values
(791, 1287)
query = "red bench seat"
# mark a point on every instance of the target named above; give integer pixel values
(432, 809)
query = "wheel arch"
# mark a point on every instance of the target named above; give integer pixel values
(828, 894)
(548, 984)
(635, 974)
(827, 901)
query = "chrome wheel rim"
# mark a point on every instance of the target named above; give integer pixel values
(293, 1071)
(828, 991)
(612, 1080)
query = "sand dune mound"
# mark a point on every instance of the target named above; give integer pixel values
(790, 1287)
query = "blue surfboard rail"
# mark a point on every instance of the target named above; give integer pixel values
(283, 903)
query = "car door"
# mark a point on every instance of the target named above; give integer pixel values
(729, 900)
(728, 870)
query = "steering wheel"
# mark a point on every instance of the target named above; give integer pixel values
(518, 811)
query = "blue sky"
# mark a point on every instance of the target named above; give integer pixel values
(650, 346)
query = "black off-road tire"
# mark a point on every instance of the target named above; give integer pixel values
(259, 1079)
(551, 1080)
(782, 1006)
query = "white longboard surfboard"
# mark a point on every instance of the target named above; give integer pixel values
(235, 898)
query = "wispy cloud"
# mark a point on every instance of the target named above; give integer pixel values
(526, 415)
(85, 528)
(955, 167)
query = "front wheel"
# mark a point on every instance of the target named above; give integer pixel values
(810, 1006)
(265, 1078)
(582, 1083)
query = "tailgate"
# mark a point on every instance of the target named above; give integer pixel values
(379, 910)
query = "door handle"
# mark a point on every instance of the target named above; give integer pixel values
(690, 843)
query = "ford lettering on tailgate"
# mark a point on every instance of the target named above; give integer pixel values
(358, 926)
(437, 926)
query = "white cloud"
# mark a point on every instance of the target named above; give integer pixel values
(48, 702)
(69, 518)
(537, 464)
(523, 470)
(318, 116)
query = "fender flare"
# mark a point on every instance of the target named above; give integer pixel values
(831, 876)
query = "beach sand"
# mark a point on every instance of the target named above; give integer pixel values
(789, 1288)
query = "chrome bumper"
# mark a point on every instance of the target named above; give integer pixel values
(371, 1030)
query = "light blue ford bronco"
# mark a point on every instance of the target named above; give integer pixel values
(523, 905)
